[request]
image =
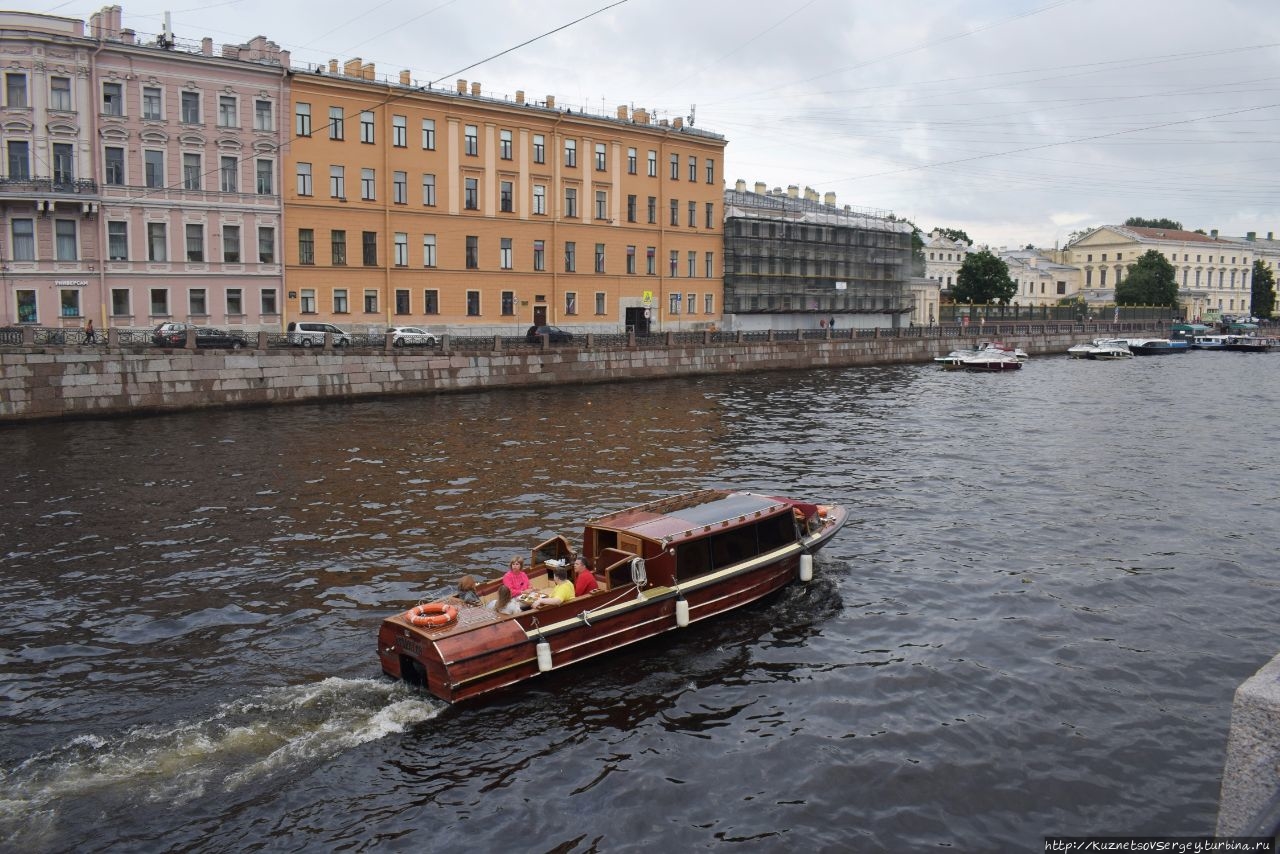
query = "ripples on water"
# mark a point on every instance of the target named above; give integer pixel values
(1051, 584)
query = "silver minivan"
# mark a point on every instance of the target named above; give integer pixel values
(309, 333)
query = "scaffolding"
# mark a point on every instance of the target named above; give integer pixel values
(796, 255)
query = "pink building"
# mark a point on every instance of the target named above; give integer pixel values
(151, 185)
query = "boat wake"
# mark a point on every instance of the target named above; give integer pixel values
(243, 741)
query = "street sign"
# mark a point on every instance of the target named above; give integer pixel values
(647, 298)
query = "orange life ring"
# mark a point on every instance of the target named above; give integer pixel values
(434, 614)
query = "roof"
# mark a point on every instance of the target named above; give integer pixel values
(667, 517)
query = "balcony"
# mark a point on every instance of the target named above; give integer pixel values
(45, 187)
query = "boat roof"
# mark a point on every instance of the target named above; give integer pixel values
(667, 517)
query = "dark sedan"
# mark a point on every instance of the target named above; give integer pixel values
(206, 338)
(554, 334)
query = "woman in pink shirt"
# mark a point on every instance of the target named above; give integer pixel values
(516, 580)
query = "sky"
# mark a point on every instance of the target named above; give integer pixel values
(1018, 122)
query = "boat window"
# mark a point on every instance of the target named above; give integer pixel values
(733, 546)
(693, 558)
(605, 540)
(775, 532)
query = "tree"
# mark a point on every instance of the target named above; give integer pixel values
(956, 234)
(983, 279)
(1142, 222)
(1264, 290)
(1150, 280)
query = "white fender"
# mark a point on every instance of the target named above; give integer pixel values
(682, 612)
(544, 656)
(806, 567)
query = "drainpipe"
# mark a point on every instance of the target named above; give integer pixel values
(557, 153)
(285, 120)
(94, 84)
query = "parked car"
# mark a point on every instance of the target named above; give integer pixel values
(206, 337)
(554, 334)
(167, 334)
(308, 333)
(410, 336)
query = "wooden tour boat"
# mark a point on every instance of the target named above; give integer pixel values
(659, 566)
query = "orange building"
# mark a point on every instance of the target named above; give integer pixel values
(406, 205)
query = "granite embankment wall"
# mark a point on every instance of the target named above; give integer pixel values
(40, 383)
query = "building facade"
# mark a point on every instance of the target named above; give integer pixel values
(408, 205)
(943, 258)
(796, 262)
(1039, 280)
(151, 192)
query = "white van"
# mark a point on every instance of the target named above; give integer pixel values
(310, 334)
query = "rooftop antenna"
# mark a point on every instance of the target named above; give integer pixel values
(165, 39)
(693, 111)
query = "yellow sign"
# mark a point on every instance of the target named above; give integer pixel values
(647, 297)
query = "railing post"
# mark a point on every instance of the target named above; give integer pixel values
(631, 339)
(770, 337)
(444, 344)
(191, 339)
(113, 337)
(742, 337)
(388, 342)
(591, 340)
(497, 343)
(264, 340)
(28, 336)
(670, 338)
(328, 341)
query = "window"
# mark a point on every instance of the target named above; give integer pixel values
(653, 210)
(504, 144)
(570, 257)
(539, 199)
(60, 93)
(399, 132)
(64, 244)
(368, 188)
(571, 152)
(265, 171)
(473, 303)
(631, 208)
(401, 248)
(24, 239)
(631, 260)
(369, 248)
(69, 302)
(157, 242)
(19, 152)
(229, 174)
(159, 301)
(651, 261)
(112, 96)
(708, 303)
(473, 252)
(400, 188)
(631, 161)
(429, 190)
(653, 164)
(306, 246)
(26, 301)
(231, 244)
(263, 118)
(195, 241)
(191, 110)
(120, 302)
(308, 301)
(709, 270)
(675, 212)
(471, 194)
(117, 241)
(711, 209)
(197, 302)
(63, 163)
(337, 182)
(508, 303)
(693, 264)
(429, 134)
(539, 256)
(539, 148)
(506, 193)
(266, 244)
(691, 303)
(504, 253)
(227, 111)
(304, 179)
(402, 301)
(600, 302)
(338, 248)
(570, 201)
(235, 301)
(471, 140)
(693, 168)
(366, 127)
(337, 123)
(191, 171)
(151, 103)
(693, 214)
(601, 159)
(675, 263)
(602, 204)
(675, 167)
(428, 250)
(268, 301)
(711, 171)
(16, 90)
(341, 303)
(599, 257)
(370, 301)
(675, 304)
(431, 302)
(153, 167)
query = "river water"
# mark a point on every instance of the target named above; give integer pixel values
(1049, 588)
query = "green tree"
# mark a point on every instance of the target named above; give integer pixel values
(1264, 290)
(983, 279)
(1149, 281)
(956, 234)
(1142, 222)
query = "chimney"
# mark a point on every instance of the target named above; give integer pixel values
(366, 71)
(1251, 236)
(520, 96)
(1269, 235)
(206, 46)
(640, 117)
(333, 66)
(404, 77)
(475, 89)
(126, 36)
(551, 102)
(1213, 233)
(462, 86)
(793, 191)
(622, 112)
(740, 185)
(810, 194)
(829, 199)
(351, 67)
(761, 189)
(677, 123)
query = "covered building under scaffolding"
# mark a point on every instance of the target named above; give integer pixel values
(797, 262)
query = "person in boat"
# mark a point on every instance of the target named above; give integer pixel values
(516, 579)
(467, 594)
(505, 603)
(584, 580)
(562, 592)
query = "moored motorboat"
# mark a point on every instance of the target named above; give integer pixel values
(954, 360)
(1208, 342)
(1246, 344)
(1081, 351)
(1005, 348)
(992, 360)
(1150, 346)
(659, 567)
(1109, 349)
